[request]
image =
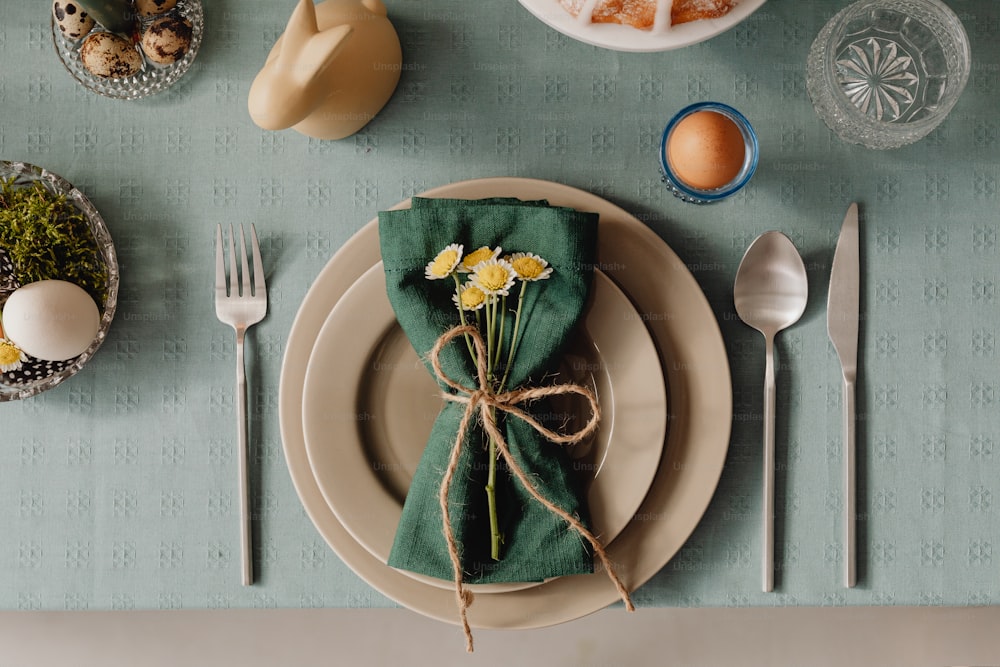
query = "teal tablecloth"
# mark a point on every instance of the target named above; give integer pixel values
(118, 488)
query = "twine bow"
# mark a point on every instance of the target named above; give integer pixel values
(486, 402)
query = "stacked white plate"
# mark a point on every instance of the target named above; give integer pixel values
(356, 405)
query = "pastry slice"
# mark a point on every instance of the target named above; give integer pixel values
(642, 13)
(636, 13)
(683, 11)
(573, 6)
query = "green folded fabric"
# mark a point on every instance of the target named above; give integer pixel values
(537, 544)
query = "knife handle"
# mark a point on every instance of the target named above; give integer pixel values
(769, 402)
(850, 488)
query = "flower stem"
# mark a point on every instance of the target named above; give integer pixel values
(487, 313)
(499, 345)
(461, 317)
(491, 500)
(514, 336)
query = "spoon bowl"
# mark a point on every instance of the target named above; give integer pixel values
(771, 289)
(770, 294)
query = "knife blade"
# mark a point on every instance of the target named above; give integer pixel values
(843, 311)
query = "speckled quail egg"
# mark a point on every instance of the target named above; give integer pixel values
(167, 39)
(107, 55)
(73, 21)
(146, 8)
(52, 320)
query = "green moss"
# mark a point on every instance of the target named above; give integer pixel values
(47, 238)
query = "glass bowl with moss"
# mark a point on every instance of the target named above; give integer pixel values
(49, 230)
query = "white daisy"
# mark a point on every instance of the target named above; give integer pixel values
(11, 356)
(477, 257)
(445, 263)
(529, 267)
(494, 277)
(472, 298)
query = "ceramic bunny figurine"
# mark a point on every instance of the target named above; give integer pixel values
(333, 69)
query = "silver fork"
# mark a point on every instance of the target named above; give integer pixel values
(241, 304)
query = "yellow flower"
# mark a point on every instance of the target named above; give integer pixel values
(494, 277)
(444, 264)
(472, 298)
(476, 257)
(11, 356)
(529, 267)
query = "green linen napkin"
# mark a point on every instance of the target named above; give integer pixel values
(537, 544)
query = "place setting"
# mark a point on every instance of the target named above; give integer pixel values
(506, 369)
(677, 465)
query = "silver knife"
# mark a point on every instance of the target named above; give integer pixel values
(842, 314)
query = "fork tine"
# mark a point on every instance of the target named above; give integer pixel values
(259, 286)
(220, 264)
(234, 275)
(245, 291)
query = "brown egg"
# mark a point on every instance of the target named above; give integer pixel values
(706, 150)
(110, 56)
(148, 8)
(167, 39)
(74, 22)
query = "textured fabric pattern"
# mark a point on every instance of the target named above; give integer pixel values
(118, 489)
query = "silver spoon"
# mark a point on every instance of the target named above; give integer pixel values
(770, 295)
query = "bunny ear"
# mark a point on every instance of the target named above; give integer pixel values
(302, 23)
(321, 50)
(375, 6)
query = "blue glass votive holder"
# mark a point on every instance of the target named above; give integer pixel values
(696, 195)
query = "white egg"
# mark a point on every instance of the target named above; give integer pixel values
(52, 320)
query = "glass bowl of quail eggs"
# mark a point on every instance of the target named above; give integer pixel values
(127, 49)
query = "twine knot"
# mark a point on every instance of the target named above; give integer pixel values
(484, 400)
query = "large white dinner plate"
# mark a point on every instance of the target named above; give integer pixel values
(369, 405)
(693, 358)
(662, 36)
